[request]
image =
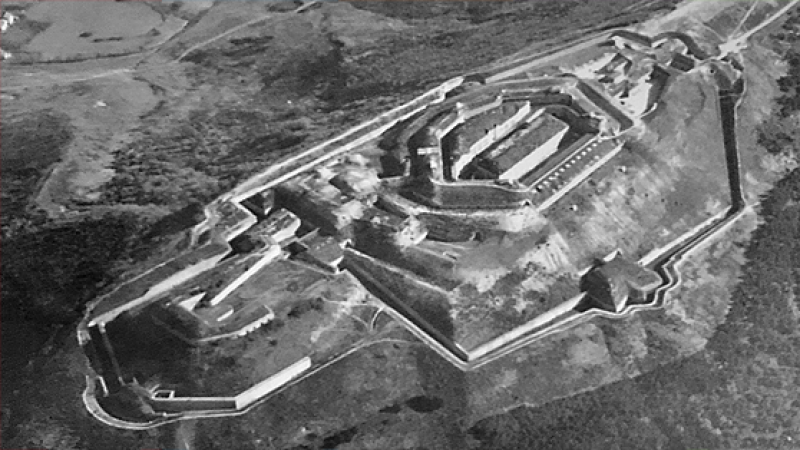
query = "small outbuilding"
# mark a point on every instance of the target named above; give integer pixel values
(613, 284)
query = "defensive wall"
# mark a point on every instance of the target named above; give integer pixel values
(645, 41)
(557, 314)
(169, 407)
(556, 319)
(357, 263)
(427, 130)
(601, 105)
(165, 401)
(201, 330)
(462, 221)
(272, 253)
(107, 366)
(467, 195)
(150, 285)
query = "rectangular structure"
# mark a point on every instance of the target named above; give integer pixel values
(272, 383)
(541, 132)
(552, 131)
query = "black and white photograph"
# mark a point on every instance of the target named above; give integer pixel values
(400, 224)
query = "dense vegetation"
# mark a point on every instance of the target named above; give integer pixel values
(782, 131)
(32, 143)
(49, 274)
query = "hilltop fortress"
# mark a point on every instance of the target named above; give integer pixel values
(485, 214)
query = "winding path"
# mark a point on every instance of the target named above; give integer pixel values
(14, 79)
(230, 31)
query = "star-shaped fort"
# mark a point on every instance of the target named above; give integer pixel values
(498, 208)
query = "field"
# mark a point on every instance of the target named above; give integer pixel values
(657, 188)
(69, 31)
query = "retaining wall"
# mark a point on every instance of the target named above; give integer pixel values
(272, 383)
(355, 261)
(149, 286)
(474, 195)
(237, 403)
(439, 221)
(184, 404)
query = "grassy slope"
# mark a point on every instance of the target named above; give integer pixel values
(737, 393)
(740, 391)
